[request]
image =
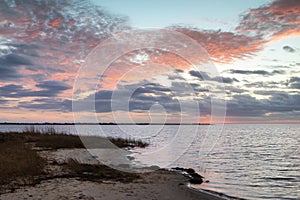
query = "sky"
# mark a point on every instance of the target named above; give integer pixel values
(245, 61)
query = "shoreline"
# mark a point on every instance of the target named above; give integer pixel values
(102, 124)
(55, 166)
(162, 184)
(166, 187)
(214, 193)
(159, 185)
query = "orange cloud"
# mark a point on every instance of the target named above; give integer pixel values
(224, 46)
(280, 17)
(56, 23)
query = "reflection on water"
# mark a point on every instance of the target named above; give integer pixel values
(249, 161)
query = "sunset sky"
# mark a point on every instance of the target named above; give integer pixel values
(254, 46)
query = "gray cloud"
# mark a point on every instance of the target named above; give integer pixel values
(14, 60)
(38, 93)
(246, 105)
(8, 73)
(200, 75)
(289, 49)
(265, 84)
(10, 65)
(242, 105)
(295, 79)
(141, 100)
(11, 88)
(198, 88)
(231, 89)
(3, 101)
(47, 104)
(54, 86)
(146, 95)
(269, 92)
(205, 76)
(256, 72)
(49, 89)
(175, 77)
(224, 79)
(179, 70)
(25, 49)
(132, 97)
(294, 82)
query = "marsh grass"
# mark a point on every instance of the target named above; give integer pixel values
(50, 138)
(17, 160)
(21, 163)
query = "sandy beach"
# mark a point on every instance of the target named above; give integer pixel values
(160, 185)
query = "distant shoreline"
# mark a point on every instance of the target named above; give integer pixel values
(106, 124)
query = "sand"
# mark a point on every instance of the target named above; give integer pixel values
(158, 185)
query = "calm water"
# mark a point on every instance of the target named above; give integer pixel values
(258, 161)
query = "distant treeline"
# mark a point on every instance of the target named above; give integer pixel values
(109, 123)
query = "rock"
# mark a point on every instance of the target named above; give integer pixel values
(196, 180)
(130, 158)
(195, 175)
(190, 170)
(178, 168)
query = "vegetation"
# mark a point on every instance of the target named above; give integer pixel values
(21, 163)
(50, 138)
(98, 172)
(17, 160)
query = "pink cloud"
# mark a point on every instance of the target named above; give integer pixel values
(278, 18)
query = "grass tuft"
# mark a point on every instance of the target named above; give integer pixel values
(98, 172)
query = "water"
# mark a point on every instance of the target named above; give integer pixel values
(252, 161)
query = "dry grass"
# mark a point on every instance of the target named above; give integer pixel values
(50, 138)
(18, 161)
(98, 172)
(53, 141)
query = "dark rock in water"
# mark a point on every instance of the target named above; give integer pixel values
(130, 158)
(179, 168)
(195, 175)
(190, 170)
(195, 178)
